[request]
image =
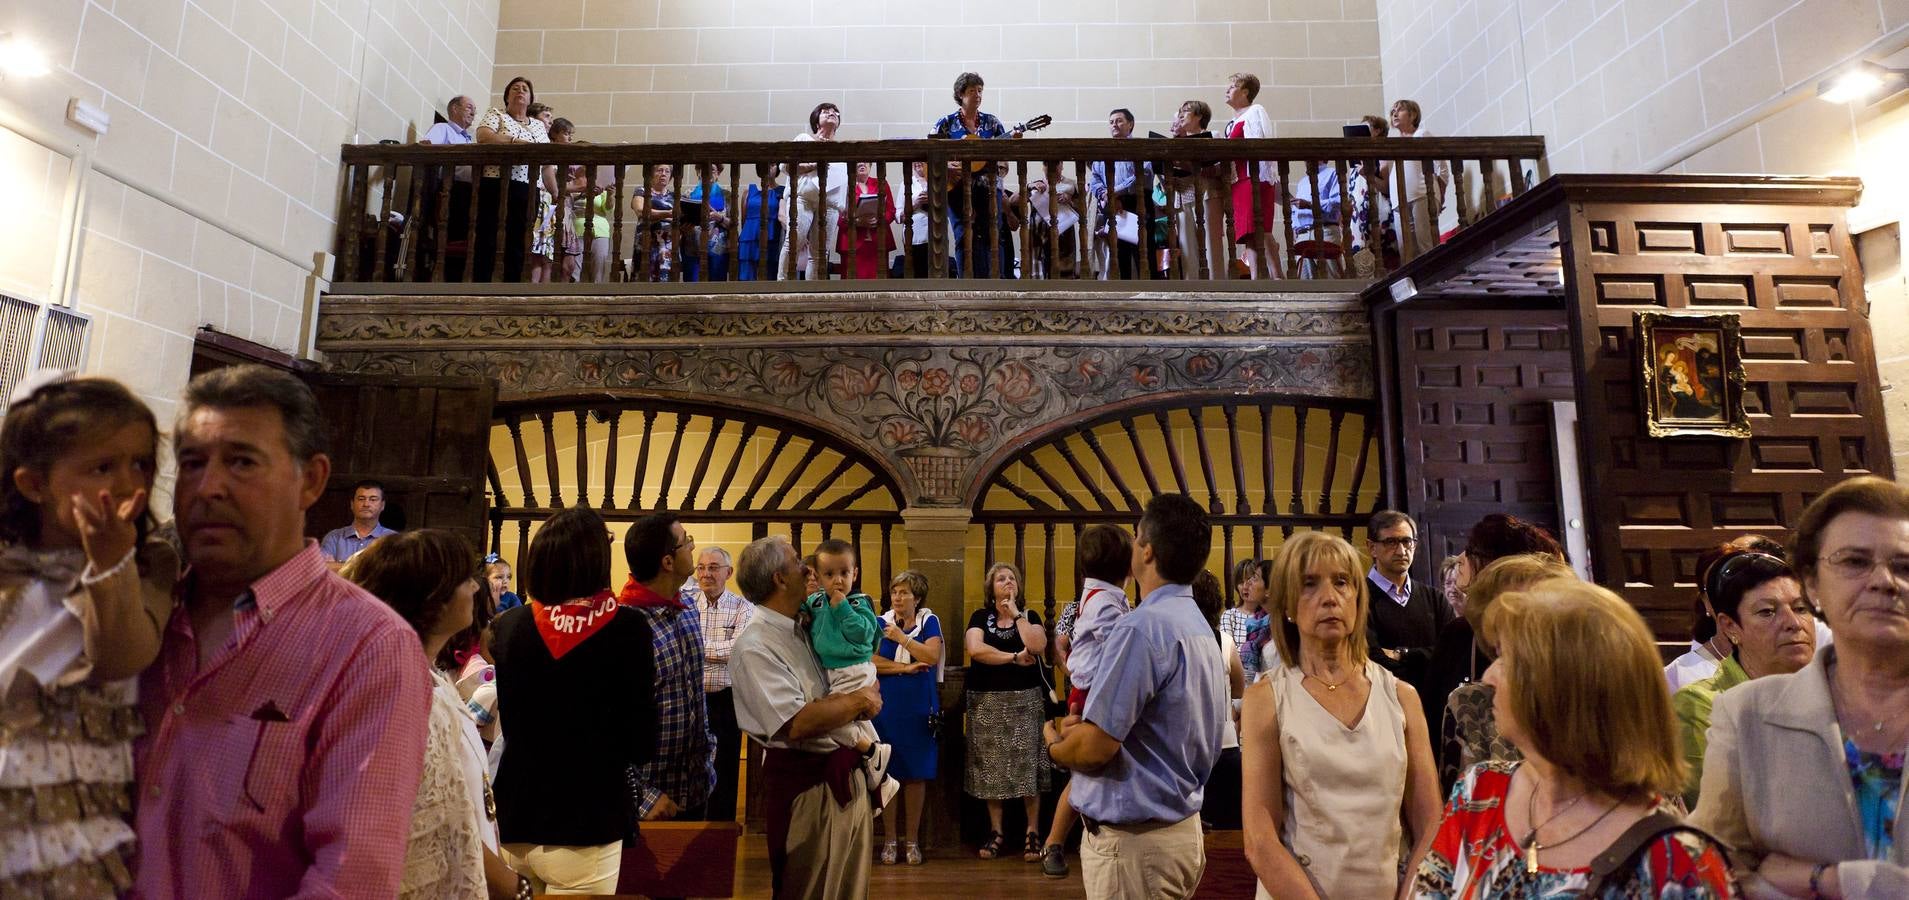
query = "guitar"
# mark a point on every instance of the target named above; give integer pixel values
(1035, 124)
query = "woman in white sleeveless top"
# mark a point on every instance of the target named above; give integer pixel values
(1336, 751)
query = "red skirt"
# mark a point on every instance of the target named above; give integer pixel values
(1244, 223)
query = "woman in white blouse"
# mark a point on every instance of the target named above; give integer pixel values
(812, 195)
(430, 577)
(509, 124)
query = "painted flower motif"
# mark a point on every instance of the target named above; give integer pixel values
(510, 371)
(908, 378)
(785, 374)
(589, 370)
(1202, 364)
(970, 383)
(975, 430)
(1015, 382)
(628, 373)
(1089, 368)
(1145, 375)
(724, 373)
(848, 384)
(901, 433)
(669, 367)
(936, 382)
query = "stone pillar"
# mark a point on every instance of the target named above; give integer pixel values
(938, 549)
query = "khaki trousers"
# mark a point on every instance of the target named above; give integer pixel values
(830, 847)
(1126, 864)
(567, 870)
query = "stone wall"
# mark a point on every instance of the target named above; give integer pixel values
(214, 188)
(683, 70)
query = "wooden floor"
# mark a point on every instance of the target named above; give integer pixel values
(965, 877)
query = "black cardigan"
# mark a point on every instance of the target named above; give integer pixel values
(572, 729)
(1413, 628)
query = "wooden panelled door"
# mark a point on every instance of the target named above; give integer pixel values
(1474, 400)
(426, 438)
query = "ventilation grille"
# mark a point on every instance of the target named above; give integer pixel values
(35, 337)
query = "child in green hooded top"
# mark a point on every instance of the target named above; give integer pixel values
(844, 630)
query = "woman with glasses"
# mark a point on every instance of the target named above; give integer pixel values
(1803, 774)
(1762, 617)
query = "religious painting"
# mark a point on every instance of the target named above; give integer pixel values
(1692, 375)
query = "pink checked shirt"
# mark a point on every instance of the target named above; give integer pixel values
(289, 766)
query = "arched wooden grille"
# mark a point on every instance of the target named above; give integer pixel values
(1263, 466)
(710, 465)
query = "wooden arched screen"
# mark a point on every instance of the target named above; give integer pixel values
(747, 473)
(1264, 467)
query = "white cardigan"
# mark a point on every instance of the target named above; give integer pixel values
(1258, 125)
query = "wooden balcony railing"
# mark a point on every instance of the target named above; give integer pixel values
(915, 209)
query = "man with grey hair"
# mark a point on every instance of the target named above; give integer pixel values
(724, 615)
(453, 131)
(821, 826)
(287, 712)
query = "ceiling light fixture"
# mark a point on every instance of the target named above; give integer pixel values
(20, 58)
(1862, 82)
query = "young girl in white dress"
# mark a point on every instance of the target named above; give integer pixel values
(85, 591)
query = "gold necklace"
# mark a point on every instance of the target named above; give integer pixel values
(1329, 685)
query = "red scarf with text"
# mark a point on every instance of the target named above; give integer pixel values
(637, 594)
(565, 625)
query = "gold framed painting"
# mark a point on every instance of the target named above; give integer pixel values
(1691, 375)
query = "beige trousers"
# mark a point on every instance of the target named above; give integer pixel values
(1124, 864)
(1213, 198)
(830, 847)
(567, 870)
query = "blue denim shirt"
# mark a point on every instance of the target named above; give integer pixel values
(1165, 702)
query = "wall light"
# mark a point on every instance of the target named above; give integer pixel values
(20, 58)
(1862, 82)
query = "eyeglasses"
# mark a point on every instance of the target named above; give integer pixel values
(689, 540)
(1397, 543)
(1856, 564)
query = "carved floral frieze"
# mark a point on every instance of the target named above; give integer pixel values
(931, 410)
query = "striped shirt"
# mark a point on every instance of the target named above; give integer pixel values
(722, 622)
(288, 764)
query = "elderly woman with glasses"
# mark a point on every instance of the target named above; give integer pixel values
(1803, 775)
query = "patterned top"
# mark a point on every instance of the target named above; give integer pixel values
(1877, 778)
(1237, 623)
(721, 622)
(1064, 623)
(66, 766)
(684, 766)
(314, 792)
(530, 130)
(987, 126)
(1468, 735)
(1474, 857)
(453, 821)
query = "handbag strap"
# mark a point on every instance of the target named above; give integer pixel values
(1617, 865)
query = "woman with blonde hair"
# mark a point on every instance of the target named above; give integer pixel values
(1335, 754)
(1467, 732)
(1578, 689)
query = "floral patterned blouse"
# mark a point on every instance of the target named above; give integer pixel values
(1877, 778)
(530, 130)
(1474, 857)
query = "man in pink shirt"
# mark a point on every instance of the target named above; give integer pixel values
(286, 714)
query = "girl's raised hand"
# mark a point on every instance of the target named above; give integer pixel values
(108, 530)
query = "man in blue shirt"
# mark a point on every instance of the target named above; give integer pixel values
(367, 504)
(1150, 733)
(1325, 208)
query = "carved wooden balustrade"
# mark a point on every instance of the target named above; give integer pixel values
(412, 215)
